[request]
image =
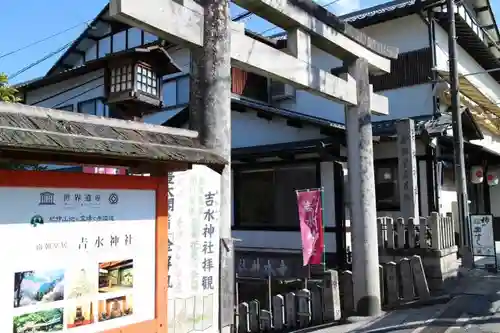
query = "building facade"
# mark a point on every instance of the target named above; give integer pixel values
(285, 139)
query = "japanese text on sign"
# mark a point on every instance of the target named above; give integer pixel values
(207, 281)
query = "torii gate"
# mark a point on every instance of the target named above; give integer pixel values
(187, 23)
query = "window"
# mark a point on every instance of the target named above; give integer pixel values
(94, 106)
(386, 185)
(176, 91)
(121, 78)
(119, 41)
(147, 81)
(104, 47)
(149, 38)
(267, 197)
(91, 53)
(134, 37)
(68, 107)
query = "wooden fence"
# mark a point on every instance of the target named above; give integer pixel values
(329, 299)
(434, 232)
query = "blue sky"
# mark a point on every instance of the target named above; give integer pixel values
(26, 21)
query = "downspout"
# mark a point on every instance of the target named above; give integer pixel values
(432, 153)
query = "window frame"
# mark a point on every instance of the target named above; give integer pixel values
(94, 100)
(157, 79)
(174, 78)
(315, 164)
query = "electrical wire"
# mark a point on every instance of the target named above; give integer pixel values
(39, 61)
(43, 39)
(274, 28)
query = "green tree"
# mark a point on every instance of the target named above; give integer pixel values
(7, 92)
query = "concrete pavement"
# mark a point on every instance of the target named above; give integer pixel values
(474, 308)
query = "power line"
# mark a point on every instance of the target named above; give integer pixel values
(43, 40)
(274, 28)
(39, 61)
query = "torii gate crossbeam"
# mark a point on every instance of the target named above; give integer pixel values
(183, 24)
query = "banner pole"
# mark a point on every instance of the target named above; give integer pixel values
(323, 227)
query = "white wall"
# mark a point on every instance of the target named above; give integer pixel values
(72, 91)
(408, 33)
(248, 130)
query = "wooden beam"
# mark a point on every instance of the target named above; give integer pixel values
(184, 26)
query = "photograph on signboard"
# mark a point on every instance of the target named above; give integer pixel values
(80, 282)
(116, 276)
(79, 314)
(40, 321)
(34, 287)
(116, 307)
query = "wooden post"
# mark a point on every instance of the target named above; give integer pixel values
(362, 194)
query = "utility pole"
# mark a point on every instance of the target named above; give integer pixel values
(361, 175)
(210, 115)
(458, 139)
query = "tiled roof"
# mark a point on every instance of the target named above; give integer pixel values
(378, 10)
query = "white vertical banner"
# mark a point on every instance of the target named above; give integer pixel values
(194, 212)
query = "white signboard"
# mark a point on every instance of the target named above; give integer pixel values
(194, 210)
(483, 243)
(76, 260)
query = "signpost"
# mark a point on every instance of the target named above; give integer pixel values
(194, 201)
(483, 243)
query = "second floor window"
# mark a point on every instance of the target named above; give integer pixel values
(94, 106)
(176, 91)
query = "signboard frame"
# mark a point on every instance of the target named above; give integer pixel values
(471, 235)
(53, 179)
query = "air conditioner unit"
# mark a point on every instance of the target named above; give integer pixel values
(281, 91)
